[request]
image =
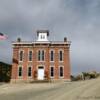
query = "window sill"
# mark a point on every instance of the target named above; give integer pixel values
(61, 77)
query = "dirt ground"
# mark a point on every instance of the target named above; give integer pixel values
(81, 90)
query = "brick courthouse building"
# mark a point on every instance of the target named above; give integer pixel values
(41, 59)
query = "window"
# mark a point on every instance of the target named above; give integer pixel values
(20, 71)
(29, 71)
(52, 55)
(21, 54)
(60, 56)
(52, 71)
(41, 55)
(30, 55)
(42, 36)
(61, 71)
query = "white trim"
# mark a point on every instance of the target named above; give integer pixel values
(63, 72)
(53, 72)
(51, 50)
(61, 50)
(19, 77)
(22, 42)
(33, 42)
(28, 70)
(28, 55)
(19, 55)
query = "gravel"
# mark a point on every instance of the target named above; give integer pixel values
(81, 90)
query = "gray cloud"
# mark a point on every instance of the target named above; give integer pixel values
(76, 19)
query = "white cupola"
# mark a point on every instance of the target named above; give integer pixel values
(42, 35)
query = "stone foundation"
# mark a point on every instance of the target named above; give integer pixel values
(21, 81)
(32, 80)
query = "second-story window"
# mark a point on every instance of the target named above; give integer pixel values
(30, 55)
(51, 55)
(60, 55)
(21, 55)
(41, 55)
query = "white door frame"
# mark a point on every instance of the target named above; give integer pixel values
(42, 67)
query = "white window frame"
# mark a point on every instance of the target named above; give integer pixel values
(28, 70)
(62, 55)
(41, 55)
(53, 72)
(29, 55)
(22, 57)
(63, 72)
(53, 55)
(18, 72)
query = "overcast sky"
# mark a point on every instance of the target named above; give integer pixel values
(78, 20)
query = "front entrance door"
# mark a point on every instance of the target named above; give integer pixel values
(41, 73)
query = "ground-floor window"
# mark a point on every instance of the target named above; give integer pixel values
(20, 71)
(29, 71)
(52, 72)
(61, 71)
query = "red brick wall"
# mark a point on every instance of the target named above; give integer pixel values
(47, 63)
(15, 63)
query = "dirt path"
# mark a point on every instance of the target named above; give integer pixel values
(83, 90)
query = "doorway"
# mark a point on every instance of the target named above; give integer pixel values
(40, 73)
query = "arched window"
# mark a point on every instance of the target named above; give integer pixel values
(29, 71)
(30, 55)
(61, 71)
(60, 55)
(20, 71)
(41, 55)
(51, 55)
(51, 71)
(21, 55)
